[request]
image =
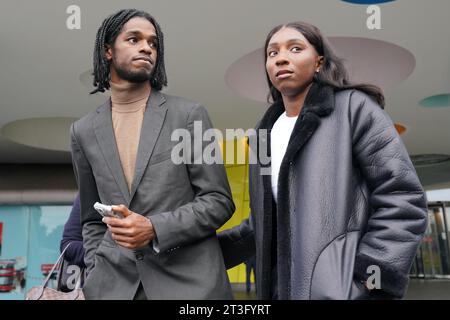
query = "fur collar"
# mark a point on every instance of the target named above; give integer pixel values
(319, 101)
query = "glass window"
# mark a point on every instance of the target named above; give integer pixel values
(14, 251)
(29, 246)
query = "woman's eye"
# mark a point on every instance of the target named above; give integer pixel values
(272, 53)
(296, 49)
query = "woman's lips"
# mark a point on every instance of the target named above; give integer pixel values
(283, 74)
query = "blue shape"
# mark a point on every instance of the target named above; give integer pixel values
(15, 247)
(437, 101)
(367, 1)
(31, 236)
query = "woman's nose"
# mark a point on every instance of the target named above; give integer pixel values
(281, 59)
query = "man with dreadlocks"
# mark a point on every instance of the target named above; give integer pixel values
(166, 246)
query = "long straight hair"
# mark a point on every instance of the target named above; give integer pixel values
(332, 73)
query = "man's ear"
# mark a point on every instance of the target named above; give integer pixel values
(108, 52)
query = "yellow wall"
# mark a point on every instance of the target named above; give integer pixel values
(237, 173)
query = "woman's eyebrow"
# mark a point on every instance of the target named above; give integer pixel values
(294, 40)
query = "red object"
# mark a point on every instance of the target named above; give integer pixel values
(1, 234)
(6, 288)
(45, 268)
(7, 274)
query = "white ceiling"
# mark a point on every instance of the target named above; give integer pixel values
(41, 62)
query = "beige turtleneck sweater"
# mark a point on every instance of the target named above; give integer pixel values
(128, 106)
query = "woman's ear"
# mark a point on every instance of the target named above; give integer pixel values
(320, 61)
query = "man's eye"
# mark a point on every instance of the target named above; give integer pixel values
(132, 40)
(296, 49)
(153, 45)
(272, 53)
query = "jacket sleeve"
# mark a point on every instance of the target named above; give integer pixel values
(399, 208)
(212, 205)
(93, 229)
(72, 234)
(238, 243)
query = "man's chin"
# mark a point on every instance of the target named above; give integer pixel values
(138, 79)
(140, 76)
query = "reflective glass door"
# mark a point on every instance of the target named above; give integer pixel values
(434, 250)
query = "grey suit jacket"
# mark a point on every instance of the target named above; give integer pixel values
(186, 203)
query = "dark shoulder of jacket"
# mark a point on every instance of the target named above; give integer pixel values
(353, 101)
(85, 123)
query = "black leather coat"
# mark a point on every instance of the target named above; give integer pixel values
(348, 199)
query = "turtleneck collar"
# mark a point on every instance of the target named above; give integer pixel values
(129, 93)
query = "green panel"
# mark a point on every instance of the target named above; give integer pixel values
(46, 228)
(437, 101)
(14, 242)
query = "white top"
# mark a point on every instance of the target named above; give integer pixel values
(279, 140)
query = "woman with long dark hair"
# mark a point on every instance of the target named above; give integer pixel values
(343, 212)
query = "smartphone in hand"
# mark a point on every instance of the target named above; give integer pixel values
(107, 211)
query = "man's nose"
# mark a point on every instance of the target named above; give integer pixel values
(145, 47)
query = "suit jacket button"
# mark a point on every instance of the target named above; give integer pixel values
(139, 256)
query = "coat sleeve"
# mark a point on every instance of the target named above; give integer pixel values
(72, 234)
(238, 243)
(398, 217)
(93, 229)
(212, 205)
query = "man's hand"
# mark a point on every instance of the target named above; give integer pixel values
(132, 232)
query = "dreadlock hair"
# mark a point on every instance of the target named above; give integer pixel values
(332, 73)
(107, 35)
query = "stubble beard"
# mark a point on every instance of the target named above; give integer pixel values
(138, 76)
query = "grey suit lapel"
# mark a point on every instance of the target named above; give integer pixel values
(151, 127)
(104, 132)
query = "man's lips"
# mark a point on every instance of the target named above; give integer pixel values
(146, 59)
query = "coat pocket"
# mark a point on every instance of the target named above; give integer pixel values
(332, 276)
